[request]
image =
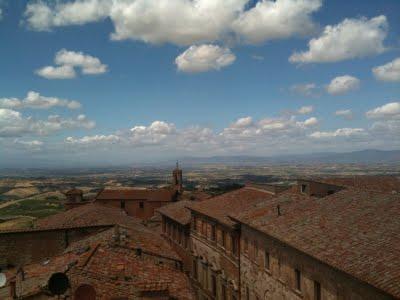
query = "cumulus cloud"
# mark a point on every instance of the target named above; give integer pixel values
(386, 111)
(67, 61)
(342, 84)
(36, 101)
(352, 38)
(43, 16)
(61, 72)
(204, 58)
(389, 71)
(181, 22)
(341, 132)
(95, 139)
(269, 20)
(346, 114)
(305, 110)
(306, 89)
(14, 124)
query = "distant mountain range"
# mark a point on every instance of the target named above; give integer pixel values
(356, 157)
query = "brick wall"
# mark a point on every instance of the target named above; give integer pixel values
(278, 281)
(137, 208)
(19, 248)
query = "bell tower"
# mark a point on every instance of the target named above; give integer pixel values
(177, 179)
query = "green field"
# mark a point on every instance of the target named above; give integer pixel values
(38, 208)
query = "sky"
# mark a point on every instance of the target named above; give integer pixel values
(100, 82)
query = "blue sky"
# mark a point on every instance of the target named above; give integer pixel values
(162, 82)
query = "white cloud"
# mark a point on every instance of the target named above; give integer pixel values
(42, 16)
(95, 139)
(243, 122)
(14, 124)
(67, 61)
(345, 113)
(352, 38)
(269, 20)
(181, 22)
(36, 101)
(305, 110)
(342, 84)
(341, 132)
(311, 122)
(306, 89)
(204, 58)
(61, 72)
(387, 111)
(389, 71)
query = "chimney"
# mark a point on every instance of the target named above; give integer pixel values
(13, 289)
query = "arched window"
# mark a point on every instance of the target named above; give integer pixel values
(85, 292)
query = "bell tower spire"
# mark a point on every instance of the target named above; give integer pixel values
(177, 179)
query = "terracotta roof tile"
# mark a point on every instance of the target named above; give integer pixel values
(90, 214)
(343, 230)
(375, 183)
(220, 207)
(177, 211)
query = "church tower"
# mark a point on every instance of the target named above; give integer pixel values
(177, 179)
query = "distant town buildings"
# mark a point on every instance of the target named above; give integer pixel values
(322, 238)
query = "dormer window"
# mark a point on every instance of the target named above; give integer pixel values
(303, 188)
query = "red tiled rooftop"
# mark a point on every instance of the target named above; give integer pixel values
(220, 207)
(177, 211)
(90, 214)
(163, 194)
(375, 183)
(354, 230)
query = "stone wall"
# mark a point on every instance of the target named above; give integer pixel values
(23, 247)
(278, 280)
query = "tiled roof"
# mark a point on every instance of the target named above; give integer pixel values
(237, 201)
(177, 211)
(163, 194)
(375, 183)
(87, 215)
(137, 236)
(354, 230)
(117, 267)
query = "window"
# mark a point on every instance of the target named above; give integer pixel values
(213, 237)
(195, 269)
(317, 290)
(303, 188)
(205, 277)
(194, 220)
(330, 192)
(223, 237)
(141, 204)
(122, 204)
(204, 228)
(234, 245)
(255, 250)
(214, 285)
(266, 260)
(298, 279)
(246, 246)
(247, 293)
(223, 292)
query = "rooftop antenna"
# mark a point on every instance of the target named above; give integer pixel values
(177, 164)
